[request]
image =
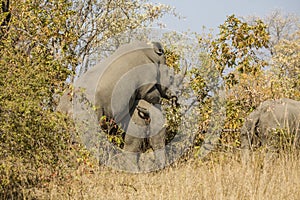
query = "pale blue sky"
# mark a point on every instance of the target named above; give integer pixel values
(212, 13)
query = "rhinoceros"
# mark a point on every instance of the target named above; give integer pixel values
(146, 130)
(136, 71)
(271, 116)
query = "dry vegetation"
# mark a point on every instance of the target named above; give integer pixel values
(221, 176)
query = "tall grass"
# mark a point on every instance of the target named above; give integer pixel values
(221, 176)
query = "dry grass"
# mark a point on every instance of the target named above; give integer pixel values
(222, 176)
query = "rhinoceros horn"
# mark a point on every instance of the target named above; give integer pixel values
(182, 74)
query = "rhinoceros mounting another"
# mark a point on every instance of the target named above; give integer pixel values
(136, 71)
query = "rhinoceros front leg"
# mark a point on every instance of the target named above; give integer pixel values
(137, 129)
(245, 142)
(157, 143)
(249, 132)
(157, 135)
(132, 147)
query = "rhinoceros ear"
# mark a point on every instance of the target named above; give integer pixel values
(158, 49)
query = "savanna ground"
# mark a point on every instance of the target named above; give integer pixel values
(219, 176)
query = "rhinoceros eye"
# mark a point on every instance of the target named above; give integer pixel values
(159, 51)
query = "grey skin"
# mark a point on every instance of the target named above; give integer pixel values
(146, 130)
(135, 71)
(261, 123)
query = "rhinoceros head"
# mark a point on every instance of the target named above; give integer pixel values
(171, 82)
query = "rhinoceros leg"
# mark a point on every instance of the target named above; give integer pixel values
(157, 143)
(248, 135)
(136, 132)
(132, 146)
(245, 142)
(157, 135)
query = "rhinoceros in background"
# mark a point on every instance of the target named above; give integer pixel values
(113, 88)
(272, 115)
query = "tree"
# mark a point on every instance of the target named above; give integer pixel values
(280, 26)
(236, 46)
(236, 55)
(35, 45)
(284, 70)
(258, 61)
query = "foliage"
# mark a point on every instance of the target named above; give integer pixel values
(114, 133)
(283, 72)
(236, 44)
(34, 62)
(232, 61)
(254, 67)
(286, 67)
(281, 26)
(236, 55)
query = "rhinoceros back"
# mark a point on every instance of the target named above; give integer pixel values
(121, 71)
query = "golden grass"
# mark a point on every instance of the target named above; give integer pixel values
(222, 176)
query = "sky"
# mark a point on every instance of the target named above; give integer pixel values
(212, 13)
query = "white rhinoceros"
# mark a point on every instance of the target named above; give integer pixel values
(270, 116)
(136, 71)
